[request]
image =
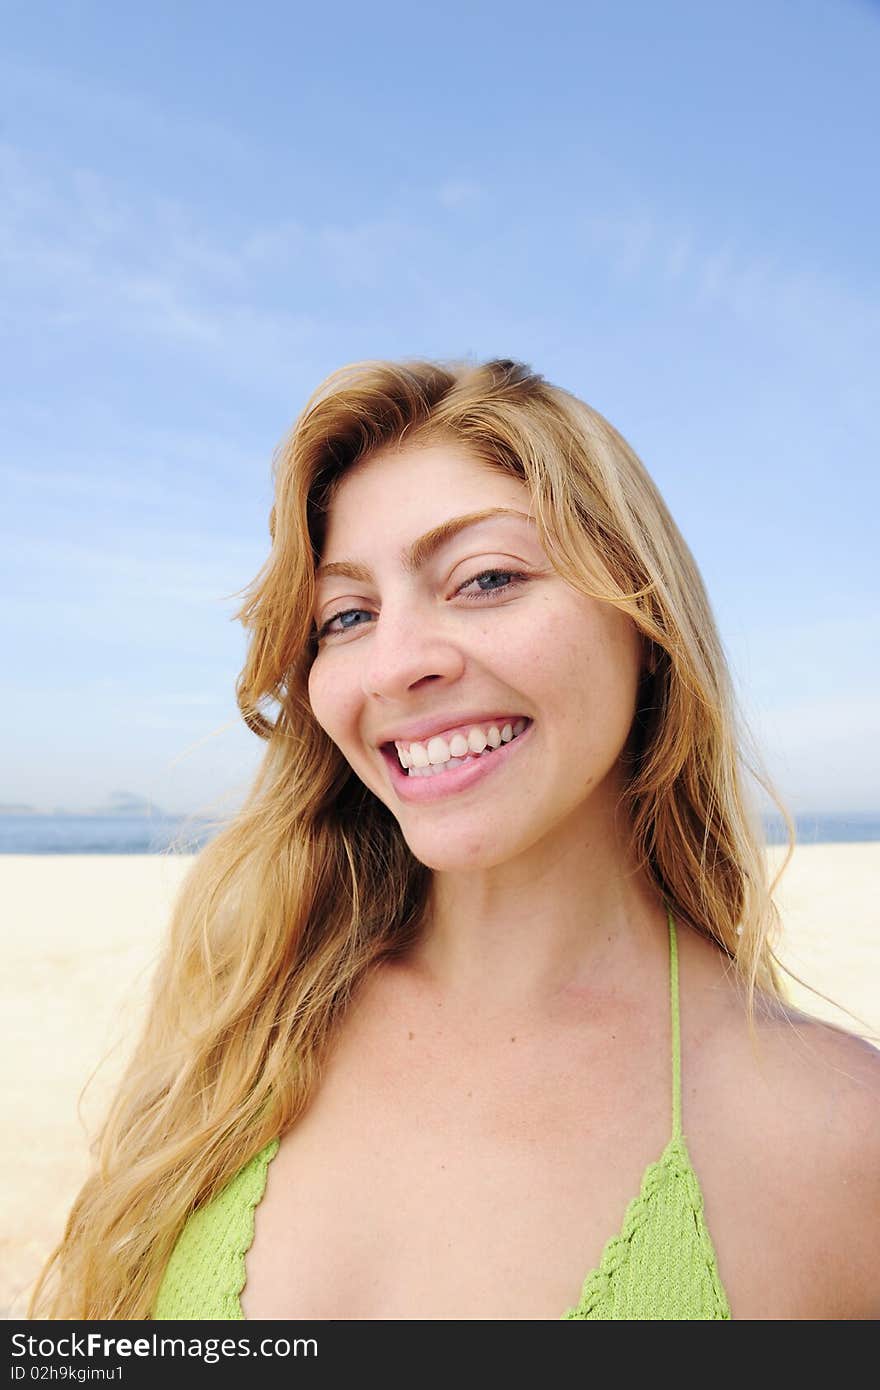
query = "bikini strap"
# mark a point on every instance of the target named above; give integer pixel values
(676, 1031)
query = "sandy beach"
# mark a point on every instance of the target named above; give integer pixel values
(81, 935)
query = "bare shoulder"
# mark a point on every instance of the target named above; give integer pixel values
(830, 1080)
(831, 1083)
(827, 1078)
(783, 1126)
(799, 1106)
(826, 1074)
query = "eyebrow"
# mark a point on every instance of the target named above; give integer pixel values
(414, 557)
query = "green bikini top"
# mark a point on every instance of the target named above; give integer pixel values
(661, 1264)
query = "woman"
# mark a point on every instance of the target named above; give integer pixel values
(493, 930)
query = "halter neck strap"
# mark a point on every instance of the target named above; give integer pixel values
(676, 1030)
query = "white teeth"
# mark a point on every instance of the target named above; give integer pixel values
(438, 769)
(429, 760)
(437, 750)
(477, 740)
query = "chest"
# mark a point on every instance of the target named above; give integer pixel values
(471, 1182)
(482, 1178)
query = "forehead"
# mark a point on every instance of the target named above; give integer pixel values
(394, 497)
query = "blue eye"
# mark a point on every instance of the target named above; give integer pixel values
(513, 575)
(484, 574)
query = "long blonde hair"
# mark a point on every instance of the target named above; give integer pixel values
(311, 884)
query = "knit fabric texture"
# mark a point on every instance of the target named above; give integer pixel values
(206, 1273)
(660, 1265)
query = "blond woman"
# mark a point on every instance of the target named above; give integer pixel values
(473, 1012)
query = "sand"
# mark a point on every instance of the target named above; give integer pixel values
(81, 935)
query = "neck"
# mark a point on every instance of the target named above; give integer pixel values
(570, 922)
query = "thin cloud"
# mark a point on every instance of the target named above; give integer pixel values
(143, 567)
(678, 256)
(805, 302)
(118, 107)
(456, 193)
(77, 254)
(189, 701)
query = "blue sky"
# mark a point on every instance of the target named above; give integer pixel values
(671, 210)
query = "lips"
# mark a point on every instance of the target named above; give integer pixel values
(454, 781)
(447, 725)
(505, 731)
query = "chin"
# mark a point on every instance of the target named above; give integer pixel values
(445, 855)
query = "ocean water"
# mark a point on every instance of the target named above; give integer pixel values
(72, 834)
(814, 828)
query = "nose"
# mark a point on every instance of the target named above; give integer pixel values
(408, 645)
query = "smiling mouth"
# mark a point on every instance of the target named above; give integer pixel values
(433, 770)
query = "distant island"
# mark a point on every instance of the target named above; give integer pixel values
(126, 804)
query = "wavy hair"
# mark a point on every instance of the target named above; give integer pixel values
(311, 884)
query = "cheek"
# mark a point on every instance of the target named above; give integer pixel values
(565, 646)
(589, 664)
(324, 698)
(335, 701)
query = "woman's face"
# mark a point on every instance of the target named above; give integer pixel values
(427, 647)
